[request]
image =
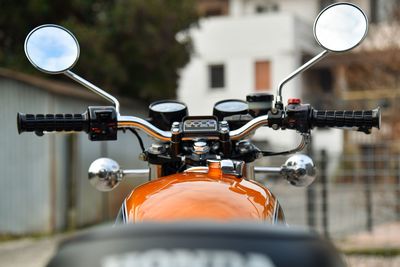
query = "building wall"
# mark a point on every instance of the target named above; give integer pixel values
(24, 162)
(238, 43)
(282, 37)
(35, 174)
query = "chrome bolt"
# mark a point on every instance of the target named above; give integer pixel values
(142, 157)
(200, 147)
(224, 124)
(157, 148)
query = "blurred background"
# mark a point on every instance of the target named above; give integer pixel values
(200, 52)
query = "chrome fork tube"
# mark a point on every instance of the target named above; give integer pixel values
(155, 171)
(249, 171)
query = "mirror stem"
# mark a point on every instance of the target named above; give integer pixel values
(259, 169)
(93, 88)
(295, 73)
(137, 173)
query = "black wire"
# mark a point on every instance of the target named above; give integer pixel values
(269, 153)
(287, 152)
(139, 139)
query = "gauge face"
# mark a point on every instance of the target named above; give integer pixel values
(167, 107)
(164, 113)
(232, 106)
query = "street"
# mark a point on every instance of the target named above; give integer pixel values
(27, 252)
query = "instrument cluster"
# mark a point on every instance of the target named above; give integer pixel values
(163, 113)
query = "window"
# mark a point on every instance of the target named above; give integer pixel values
(384, 10)
(325, 3)
(326, 80)
(267, 8)
(213, 12)
(374, 11)
(261, 9)
(213, 7)
(216, 76)
(262, 75)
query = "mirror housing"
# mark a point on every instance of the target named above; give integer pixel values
(105, 174)
(340, 27)
(52, 49)
(299, 170)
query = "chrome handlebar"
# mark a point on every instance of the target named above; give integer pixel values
(249, 127)
(147, 127)
(153, 131)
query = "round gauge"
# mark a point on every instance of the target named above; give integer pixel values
(163, 113)
(259, 103)
(230, 107)
(167, 107)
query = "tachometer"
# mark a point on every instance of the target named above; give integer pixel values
(163, 113)
(230, 107)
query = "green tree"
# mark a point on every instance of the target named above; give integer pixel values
(127, 46)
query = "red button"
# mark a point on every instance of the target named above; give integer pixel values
(294, 101)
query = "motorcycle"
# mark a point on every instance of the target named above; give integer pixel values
(201, 167)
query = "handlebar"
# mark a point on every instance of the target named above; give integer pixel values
(147, 127)
(303, 118)
(40, 123)
(249, 127)
(102, 123)
(364, 120)
(99, 122)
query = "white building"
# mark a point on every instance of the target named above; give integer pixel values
(251, 45)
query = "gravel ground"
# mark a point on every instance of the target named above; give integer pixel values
(383, 236)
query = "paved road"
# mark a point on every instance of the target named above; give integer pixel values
(27, 252)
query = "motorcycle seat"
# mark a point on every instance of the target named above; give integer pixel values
(197, 244)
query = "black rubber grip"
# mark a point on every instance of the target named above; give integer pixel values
(362, 119)
(40, 123)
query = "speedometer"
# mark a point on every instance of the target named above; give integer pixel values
(230, 107)
(167, 107)
(163, 113)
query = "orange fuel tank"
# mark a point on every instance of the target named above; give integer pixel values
(208, 195)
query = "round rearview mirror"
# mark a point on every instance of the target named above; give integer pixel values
(52, 48)
(340, 27)
(104, 174)
(299, 170)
